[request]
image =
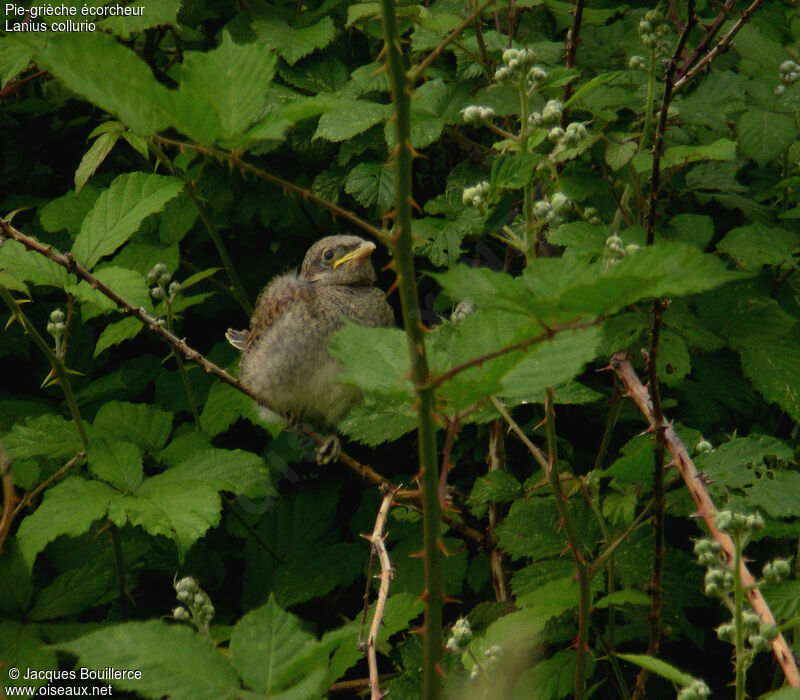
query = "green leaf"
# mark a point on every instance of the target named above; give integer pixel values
(95, 156)
(153, 13)
(49, 436)
(272, 653)
(346, 118)
(550, 679)
(119, 463)
(372, 183)
(764, 135)
(495, 487)
(75, 590)
(129, 284)
(68, 211)
(116, 79)
(757, 245)
(14, 58)
(625, 596)
(173, 659)
(116, 333)
(774, 370)
(68, 508)
(618, 155)
(550, 363)
(22, 264)
(293, 44)
(659, 667)
(119, 211)
(170, 505)
(531, 530)
(677, 156)
(224, 406)
(16, 587)
(695, 229)
(241, 74)
(512, 171)
(22, 646)
(146, 426)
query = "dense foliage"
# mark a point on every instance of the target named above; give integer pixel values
(563, 212)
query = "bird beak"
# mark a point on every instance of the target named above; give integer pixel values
(363, 251)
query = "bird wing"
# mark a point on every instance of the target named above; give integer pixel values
(237, 338)
(283, 293)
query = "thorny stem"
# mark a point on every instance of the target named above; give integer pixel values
(738, 627)
(627, 193)
(576, 547)
(378, 544)
(658, 141)
(179, 362)
(495, 460)
(119, 563)
(401, 245)
(8, 496)
(701, 47)
(571, 50)
(656, 586)
(721, 46)
(706, 510)
(56, 362)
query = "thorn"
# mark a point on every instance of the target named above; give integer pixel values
(607, 368)
(442, 548)
(540, 423)
(448, 599)
(418, 555)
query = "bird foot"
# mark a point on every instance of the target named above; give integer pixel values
(328, 452)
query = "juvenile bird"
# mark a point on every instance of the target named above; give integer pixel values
(285, 357)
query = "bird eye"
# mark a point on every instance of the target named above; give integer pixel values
(327, 255)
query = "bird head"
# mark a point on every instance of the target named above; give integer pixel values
(339, 260)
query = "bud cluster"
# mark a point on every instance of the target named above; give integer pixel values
(164, 289)
(492, 655)
(517, 64)
(460, 635)
(616, 249)
(697, 690)
(477, 115)
(476, 196)
(759, 634)
(56, 325)
(556, 207)
(199, 610)
(739, 525)
(592, 216)
(549, 116)
(790, 72)
(653, 28)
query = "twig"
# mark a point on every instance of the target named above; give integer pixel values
(705, 508)
(417, 71)
(658, 141)
(439, 379)
(30, 495)
(721, 46)
(571, 50)
(656, 582)
(495, 459)
(707, 39)
(378, 542)
(8, 496)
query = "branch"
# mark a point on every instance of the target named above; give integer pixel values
(571, 49)
(378, 541)
(721, 46)
(439, 379)
(417, 71)
(706, 40)
(656, 582)
(8, 496)
(495, 460)
(658, 141)
(705, 508)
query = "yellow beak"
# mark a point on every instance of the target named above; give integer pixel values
(363, 251)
